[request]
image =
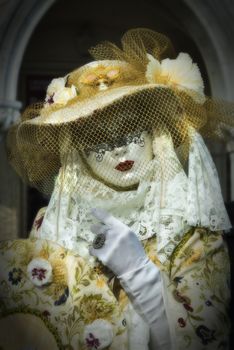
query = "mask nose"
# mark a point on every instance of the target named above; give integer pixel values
(120, 151)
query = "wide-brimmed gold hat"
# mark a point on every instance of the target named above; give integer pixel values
(143, 86)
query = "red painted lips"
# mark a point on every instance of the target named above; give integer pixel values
(125, 166)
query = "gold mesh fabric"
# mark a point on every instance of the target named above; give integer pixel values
(136, 43)
(128, 105)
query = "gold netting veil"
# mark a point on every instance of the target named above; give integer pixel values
(142, 86)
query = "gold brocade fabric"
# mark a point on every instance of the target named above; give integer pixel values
(117, 95)
(56, 313)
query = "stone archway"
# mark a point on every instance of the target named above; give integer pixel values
(20, 27)
(15, 31)
(23, 17)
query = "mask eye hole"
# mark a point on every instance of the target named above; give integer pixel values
(100, 150)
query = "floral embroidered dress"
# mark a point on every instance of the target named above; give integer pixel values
(58, 300)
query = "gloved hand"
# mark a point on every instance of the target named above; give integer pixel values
(122, 251)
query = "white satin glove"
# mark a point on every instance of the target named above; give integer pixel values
(123, 253)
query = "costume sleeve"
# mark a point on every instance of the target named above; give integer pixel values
(144, 287)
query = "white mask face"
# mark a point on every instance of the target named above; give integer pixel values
(124, 163)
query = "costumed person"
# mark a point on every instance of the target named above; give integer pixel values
(129, 253)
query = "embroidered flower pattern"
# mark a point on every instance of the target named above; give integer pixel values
(39, 272)
(93, 306)
(180, 73)
(98, 334)
(181, 322)
(59, 93)
(46, 314)
(59, 304)
(38, 222)
(188, 307)
(208, 303)
(202, 317)
(63, 298)
(181, 298)
(207, 335)
(15, 276)
(92, 342)
(178, 280)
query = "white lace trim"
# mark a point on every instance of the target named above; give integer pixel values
(164, 205)
(205, 206)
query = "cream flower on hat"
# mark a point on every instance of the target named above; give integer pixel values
(57, 92)
(180, 73)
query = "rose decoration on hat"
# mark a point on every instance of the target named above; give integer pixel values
(39, 271)
(181, 73)
(98, 334)
(59, 93)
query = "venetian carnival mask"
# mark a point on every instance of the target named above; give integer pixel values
(121, 164)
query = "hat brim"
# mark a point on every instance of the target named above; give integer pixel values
(85, 108)
(104, 118)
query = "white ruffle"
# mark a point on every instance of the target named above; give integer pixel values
(167, 202)
(205, 206)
